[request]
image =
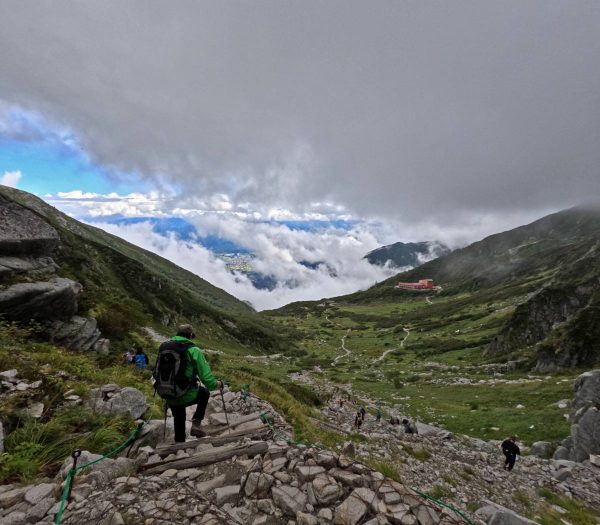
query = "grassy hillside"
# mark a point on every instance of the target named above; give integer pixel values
(126, 286)
(430, 351)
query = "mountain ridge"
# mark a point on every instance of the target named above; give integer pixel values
(400, 254)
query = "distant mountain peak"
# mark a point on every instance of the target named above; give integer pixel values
(407, 255)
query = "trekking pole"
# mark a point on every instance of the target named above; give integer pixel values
(165, 423)
(225, 410)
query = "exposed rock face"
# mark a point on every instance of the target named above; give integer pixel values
(585, 418)
(536, 318)
(22, 232)
(56, 298)
(561, 319)
(10, 265)
(27, 242)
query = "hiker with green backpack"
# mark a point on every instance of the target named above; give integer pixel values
(179, 366)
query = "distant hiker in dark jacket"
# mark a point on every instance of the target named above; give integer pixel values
(362, 413)
(378, 415)
(140, 359)
(409, 428)
(197, 368)
(510, 451)
(358, 420)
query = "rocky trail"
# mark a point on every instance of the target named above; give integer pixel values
(253, 473)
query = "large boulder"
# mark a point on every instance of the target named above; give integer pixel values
(47, 300)
(542, 449)
(585, 418)
(112, 399)
(24, 232)
(78, 333)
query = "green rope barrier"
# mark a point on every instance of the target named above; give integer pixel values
(444, 504)
(74, 470)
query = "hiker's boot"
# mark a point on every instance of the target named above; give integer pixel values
(197, 429)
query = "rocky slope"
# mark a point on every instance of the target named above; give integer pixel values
(250, 472)
(561, 318)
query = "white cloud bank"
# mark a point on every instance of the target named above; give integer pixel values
(279, 251)
(11, 178)
(308, 265)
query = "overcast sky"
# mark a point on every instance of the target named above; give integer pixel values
(403, 108)
(419, 120)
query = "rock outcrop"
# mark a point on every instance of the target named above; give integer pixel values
(112, 399)
(560, 319)
(585, 418)
(24, 233)
(46, 300)
(30, 290)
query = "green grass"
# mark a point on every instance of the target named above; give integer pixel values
(387, 468)
(417, 452)
(440, 491)
(39, 448)
(577, 514)
(377, 326)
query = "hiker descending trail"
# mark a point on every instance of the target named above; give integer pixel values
(254, 475)
(179, 366)
(343, 347)
(250, 471)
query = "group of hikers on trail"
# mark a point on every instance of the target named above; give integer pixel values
(408, 426)
(181, 366)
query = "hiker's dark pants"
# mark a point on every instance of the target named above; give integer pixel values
(179, 415)
(509, 462)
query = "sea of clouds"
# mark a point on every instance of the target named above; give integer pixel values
(279, 251)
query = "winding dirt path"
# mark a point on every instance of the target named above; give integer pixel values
(343, 347)
(384, 355)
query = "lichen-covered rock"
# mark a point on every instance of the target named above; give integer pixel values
(542, 449)
(78, 333)
(113, 400)
(11, 265)
(351, 510)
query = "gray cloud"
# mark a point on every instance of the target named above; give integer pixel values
(393, 109)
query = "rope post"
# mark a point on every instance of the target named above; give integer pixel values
(75, 455)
